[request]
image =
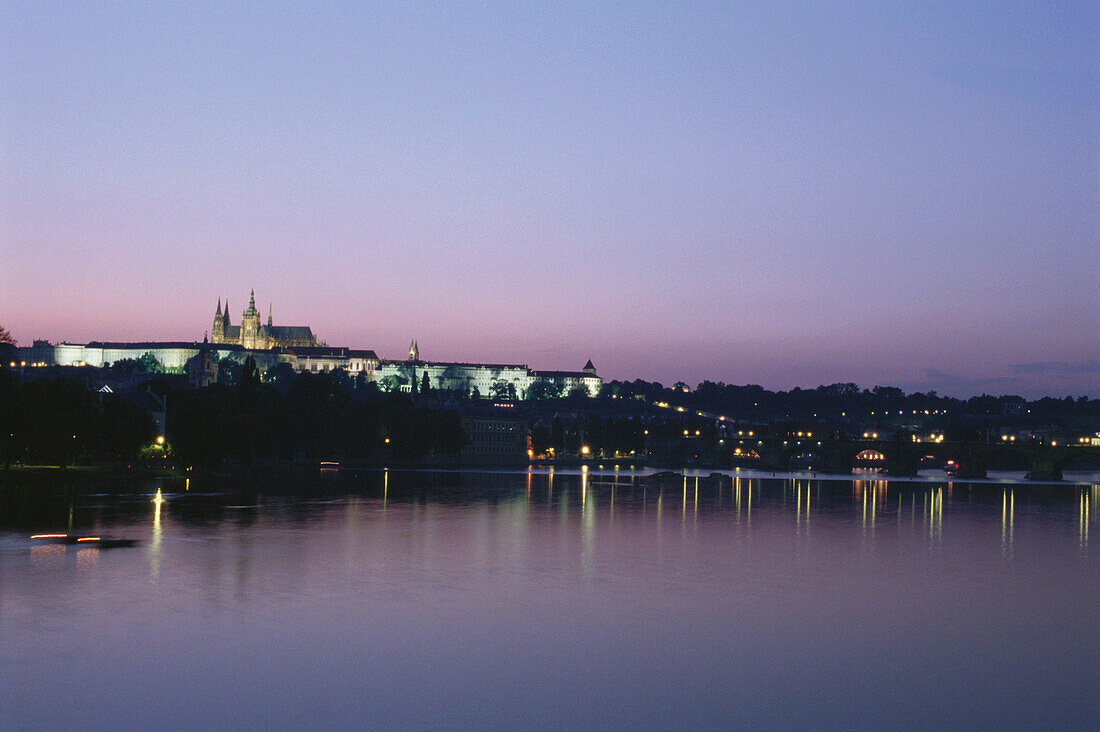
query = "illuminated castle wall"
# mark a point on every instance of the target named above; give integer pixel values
(270, 345)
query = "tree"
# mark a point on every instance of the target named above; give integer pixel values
(499, 389)
(229, 371)
(341, 381)
(425, 385)
(126, 429)
(125, 367)
(250, 377)
(281, 375)
(150, 364)
(7, 345)
(578, 393)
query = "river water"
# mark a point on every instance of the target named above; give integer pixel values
(594, 600)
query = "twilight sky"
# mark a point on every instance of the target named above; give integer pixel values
(774, 193)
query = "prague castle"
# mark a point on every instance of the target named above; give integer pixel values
(295, 345)
(255, 337)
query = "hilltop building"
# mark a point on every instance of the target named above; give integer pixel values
(269, 345)
(250, 334)
(498, 381)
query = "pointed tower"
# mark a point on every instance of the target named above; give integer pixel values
(250, 324)
(414, 352)
(589, 368)
(225, 317)
(219, 325)
(269, 323)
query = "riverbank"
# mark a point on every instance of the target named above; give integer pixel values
(30, 473)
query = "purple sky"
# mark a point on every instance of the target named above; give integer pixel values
(898, 194)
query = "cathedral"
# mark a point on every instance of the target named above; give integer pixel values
(252, 335)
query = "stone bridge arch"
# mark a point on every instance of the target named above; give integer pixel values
(1049, 462)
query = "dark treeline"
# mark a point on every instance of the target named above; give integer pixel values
(848, 399)
(57, 421)
(62, 421)
(306, 417)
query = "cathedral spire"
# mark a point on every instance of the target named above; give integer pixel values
(219, 324)
(414, 352)
(252, 306)
(269, 315)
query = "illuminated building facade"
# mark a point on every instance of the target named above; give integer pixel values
(269, 345)
(503, 381)
(254, 336)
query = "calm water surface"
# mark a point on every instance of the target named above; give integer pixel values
(420, 600)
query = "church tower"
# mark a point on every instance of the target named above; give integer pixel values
(217, 333)
(250, 325)
(414, 351)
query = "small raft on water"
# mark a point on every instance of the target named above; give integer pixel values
(99, 542)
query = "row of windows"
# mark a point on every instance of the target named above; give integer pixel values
(492, 426)
(483, 438)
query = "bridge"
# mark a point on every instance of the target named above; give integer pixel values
(902, 456)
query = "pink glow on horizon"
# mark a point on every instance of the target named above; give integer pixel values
(776, 195)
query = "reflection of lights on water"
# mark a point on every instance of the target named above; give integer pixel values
(798, 504)
(1084, 519)
(937, 513)
(87, 558)
(158, 532)
(737, 496)
(158, 501)
(1008, 513)
(47, 554)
